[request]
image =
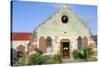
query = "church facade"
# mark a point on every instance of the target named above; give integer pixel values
(62, 33)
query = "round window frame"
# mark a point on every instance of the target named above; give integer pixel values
(66, 19)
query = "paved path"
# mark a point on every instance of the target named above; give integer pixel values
(75, 61)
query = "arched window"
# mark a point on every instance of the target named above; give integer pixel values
(48, 44)
(79, 41)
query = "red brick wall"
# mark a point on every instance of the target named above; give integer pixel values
(85, 41)
(42, 44)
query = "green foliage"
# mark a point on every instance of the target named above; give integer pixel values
(57, 58)
(36, 59)
(75, 54)
(84, 53)
(87, 52)
(48, 59)
(21, 61)
(95, 38)
(14, 56)
(38, 51)
(13, 62)
(52, 59)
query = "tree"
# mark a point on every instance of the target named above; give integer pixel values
(95, 38)
(14, 57)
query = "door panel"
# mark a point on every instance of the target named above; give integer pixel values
(65, 50)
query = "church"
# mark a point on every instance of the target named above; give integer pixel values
(61, 33)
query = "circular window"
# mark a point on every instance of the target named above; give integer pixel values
(64, 19)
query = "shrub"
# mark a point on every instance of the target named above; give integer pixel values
(84, 53)
(48, 59)
(21, 61)
(57, 58)
(75, 54)
(52, 59)
(36, 59)
(87, 52)
(38, 51)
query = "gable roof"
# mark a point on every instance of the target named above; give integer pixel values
(53, 23)
(21, 36)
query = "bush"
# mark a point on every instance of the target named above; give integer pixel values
(52, 59)
(48, 59)
(75, 54)
(21, 61)
(84, 53)
(57, 58)
(36, 59)
(87, 52)
(38, 51)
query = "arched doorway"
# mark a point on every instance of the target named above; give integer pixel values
(65, 48)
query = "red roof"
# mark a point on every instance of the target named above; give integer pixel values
(21, 36)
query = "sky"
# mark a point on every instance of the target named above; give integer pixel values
(26, 16)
